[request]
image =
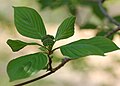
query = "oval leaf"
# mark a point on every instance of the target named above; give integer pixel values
(25, 66)
(105, 44)
(29, 23)
(93, 46)
(80, 50)
(16, 45)
(66, 29)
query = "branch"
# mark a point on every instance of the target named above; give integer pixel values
(65, 60)
(50, 64)
(37, 44)
(112, 20)
(55, 49)
(112, 31)
(33, 43)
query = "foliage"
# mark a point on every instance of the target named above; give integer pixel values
(32, 25)
(26, 66)
(66, 29)
(72, 7)
(29, 23)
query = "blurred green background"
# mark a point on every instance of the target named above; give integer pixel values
(89, 71)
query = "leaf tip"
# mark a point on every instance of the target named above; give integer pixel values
(14, 7)
(8, 41)
(73, 17)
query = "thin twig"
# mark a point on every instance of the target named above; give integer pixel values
(34, 43)
(112, 31)
(55, 49)
(112, 20)
(106, 14)
(47, 74)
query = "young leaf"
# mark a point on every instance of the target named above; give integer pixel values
(25, 66)
(48, 40)
(93, 46)
(66, 29)
(16, 45)
(29, 23)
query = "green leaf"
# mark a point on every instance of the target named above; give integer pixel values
(104, 32)
(52, 3)
(66, 29)
(16, 45)
(97, 11)
(105, 44)
(43, 49)
(117, 18)
(80, 50)
(25, 66)
(29, 23)
(93, 46)
(88, 26)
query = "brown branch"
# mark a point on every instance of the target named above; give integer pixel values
(55, 49)
(112, 31)
(112, 20)
(65, 60)
(49, 64)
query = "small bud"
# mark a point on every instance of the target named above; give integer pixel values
(48, 40)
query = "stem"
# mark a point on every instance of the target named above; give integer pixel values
(50, 64)
(112, 32)
(37, 44)
(47, 74)
(33, 43)
(55, 49)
